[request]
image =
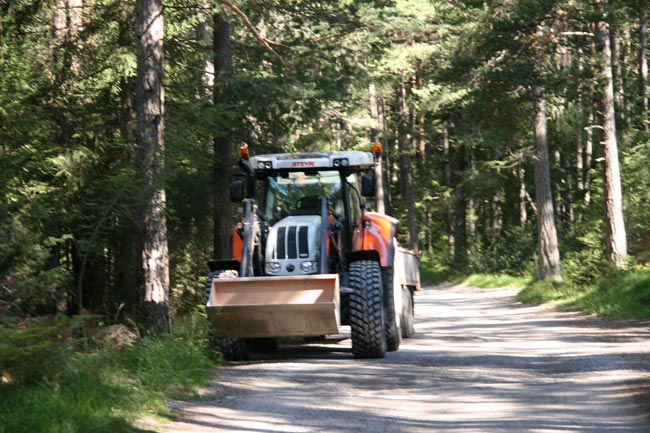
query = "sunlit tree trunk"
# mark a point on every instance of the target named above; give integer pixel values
(548, 259)
(150, 109)
(374, 138)
(615, 236)
(523, 194)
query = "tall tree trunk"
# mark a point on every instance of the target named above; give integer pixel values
(617, 74)
(421, 118)
(447, 177)
(615, 236)
(589, 150)
(150, 108)
(459, 204)
(523, 195)
(548, 260)
(388, 199)
(643, 66)
(222, 218)
(126, 246)
(374, 138)
(406, 167)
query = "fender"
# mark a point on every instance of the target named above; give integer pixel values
(375, 231)
(237, 242)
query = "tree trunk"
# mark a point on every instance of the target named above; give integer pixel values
(589, 151)
(523, 194)
(459, 204)
(388, 200)
(222, 218)
(643, 67)
(374, 137)
(447, 178)
(617, 75)
(150, 108)
(406, 168)
(548, 260)
(615, 237)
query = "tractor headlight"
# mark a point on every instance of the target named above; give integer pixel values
(272, 267)
(309, 267)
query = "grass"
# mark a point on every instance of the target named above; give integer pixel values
(105, 389)
(598, 290)
(496, 280)
(621, 294)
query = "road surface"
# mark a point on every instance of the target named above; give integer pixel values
(480, 362)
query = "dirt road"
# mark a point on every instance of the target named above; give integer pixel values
(480, 363)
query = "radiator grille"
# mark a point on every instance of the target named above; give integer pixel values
(292, 242)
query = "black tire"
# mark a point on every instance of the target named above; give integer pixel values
(232, 349)
(393, 325)
(262, 345)
(366, 310)
(408, 315)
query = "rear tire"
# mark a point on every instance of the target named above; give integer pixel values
(392, 311)
(366, 310)
(232, 349)
(408, 316)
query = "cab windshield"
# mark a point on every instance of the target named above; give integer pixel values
(298, 193)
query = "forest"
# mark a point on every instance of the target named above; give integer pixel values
(515, 135)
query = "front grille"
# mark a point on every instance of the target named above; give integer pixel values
(292, 242)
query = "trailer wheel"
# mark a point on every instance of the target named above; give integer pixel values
(232, 349)
(408, 316)
(392, 310)
(366, 310)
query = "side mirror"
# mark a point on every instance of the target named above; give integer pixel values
(236, 191)
(368, 185)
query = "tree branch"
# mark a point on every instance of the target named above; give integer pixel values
(264, 41)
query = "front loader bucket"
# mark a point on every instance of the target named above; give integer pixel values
(274, 306)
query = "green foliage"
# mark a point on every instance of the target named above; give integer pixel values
(512, 252)
(100, 388)
(621, 294)
(433, 269)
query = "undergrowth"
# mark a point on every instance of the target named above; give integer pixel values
(590, 285)
(619, 293)
(88, 387)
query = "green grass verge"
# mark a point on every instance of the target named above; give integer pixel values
(496, 280)
(620, 294)
(599, 290)
(103, 389)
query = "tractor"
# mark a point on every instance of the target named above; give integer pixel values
(310, 256)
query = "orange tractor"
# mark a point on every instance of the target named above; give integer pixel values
(309, 257)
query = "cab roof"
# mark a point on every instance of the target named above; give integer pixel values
(300, 161)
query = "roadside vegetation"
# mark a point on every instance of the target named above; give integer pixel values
(55, 379)
(591, 286)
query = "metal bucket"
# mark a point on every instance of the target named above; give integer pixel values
(274, 306)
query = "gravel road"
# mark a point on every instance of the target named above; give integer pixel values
(480, 363)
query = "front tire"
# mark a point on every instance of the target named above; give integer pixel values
(232, 349)
(366, 310)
